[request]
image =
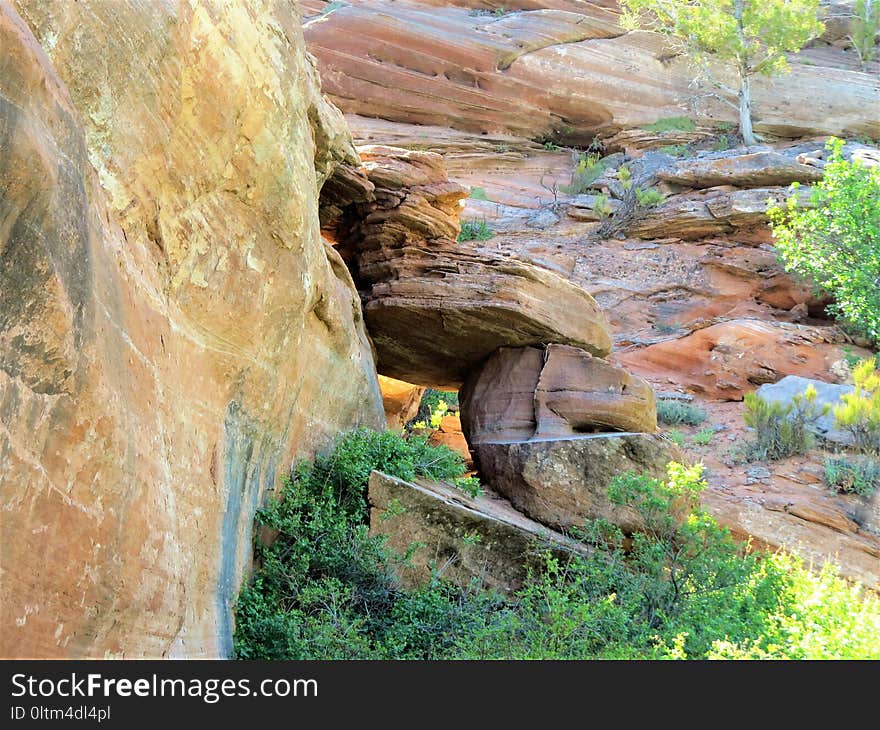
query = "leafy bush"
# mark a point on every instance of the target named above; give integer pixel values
(676, 436)
(475, 231)
(674, 412)
(671, 124)
(434, 401)
(836, 243)
(682, 588)
(859, 413)
(587, 170)
(602, 207)
(478, 193)
(781, 429)
(853, 476)
(624, 176)
(649, 197)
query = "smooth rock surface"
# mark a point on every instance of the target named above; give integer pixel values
(173, 331)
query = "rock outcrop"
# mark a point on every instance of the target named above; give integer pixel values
(173, 330)
(435, 308)
(462, 537)
(565, 74)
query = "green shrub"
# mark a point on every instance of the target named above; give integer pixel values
(671, 124)
(624, 176)
(681, 588)
(781, 429)
(676, 436)
(836, 242)
(859, 413)
(703, 437)
(602, 207)
(674, 412)
(434, 401)
(676, 150)
(649, 197)
(475, 231)
(587, 170)
(478, 193)
(853, 476)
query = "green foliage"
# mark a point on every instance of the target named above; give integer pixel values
(671, 124)
(676, 150)
(331, 6)
(859, 412)
(681, 588)
(624, 176)
(865, 29)
(849, 357)
(703, 437)
(478, 193)
(781, 429)
(469, 485)
(587, 170)
(649, 197)
(475, 231)
(853, 475)
(676, 436)
(724, 142)
(674, 412)
(434, 405)
(551, 146)
(602, 206)
(836, 242)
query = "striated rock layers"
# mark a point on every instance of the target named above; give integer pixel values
(173, 330)
(436, 308)
(565, 70)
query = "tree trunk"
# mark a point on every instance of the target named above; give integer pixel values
(745, 112)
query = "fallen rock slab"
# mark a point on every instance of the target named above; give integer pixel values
(464, 537)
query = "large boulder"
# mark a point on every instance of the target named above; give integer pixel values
(463, 537)
(563, 483)
(554, 392)
(436, 308)
(173, 330)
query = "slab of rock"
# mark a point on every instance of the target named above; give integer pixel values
(567, 73)
(563, 483)
(710, 212)
(521, 393)
(827, 394)
(482, 537)
(750, 170)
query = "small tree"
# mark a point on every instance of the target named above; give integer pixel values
(865, 28)
(751, 36)
(836, 241)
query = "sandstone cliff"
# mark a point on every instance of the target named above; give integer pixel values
(173, 330)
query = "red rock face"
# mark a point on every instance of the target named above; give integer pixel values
(567, 70)
(173, 331)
